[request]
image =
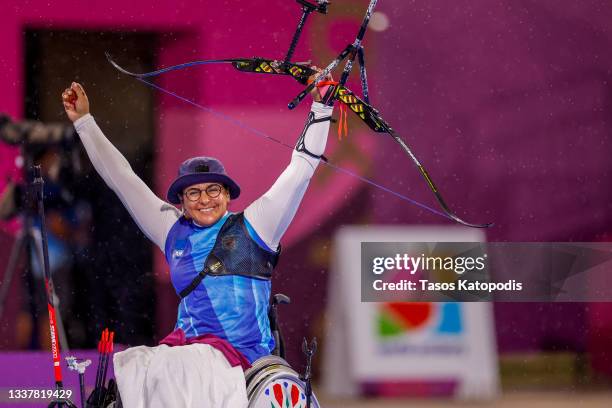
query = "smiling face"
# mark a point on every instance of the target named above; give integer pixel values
(205, 203)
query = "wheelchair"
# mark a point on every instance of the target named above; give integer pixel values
(271, 382)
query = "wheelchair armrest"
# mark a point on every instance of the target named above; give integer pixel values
(280, 299)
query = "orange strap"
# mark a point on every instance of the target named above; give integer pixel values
(343, 122)
(323, 83)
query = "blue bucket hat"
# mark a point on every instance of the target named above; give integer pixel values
(200, 170)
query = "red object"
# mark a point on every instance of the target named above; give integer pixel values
(411, 314)
(278, 394)
(342, 123)
(323, 86)
(54, 344)
(295, 394)
(110, 342)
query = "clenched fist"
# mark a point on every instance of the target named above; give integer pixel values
(75, 101)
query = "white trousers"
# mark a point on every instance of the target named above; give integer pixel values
(195, 375)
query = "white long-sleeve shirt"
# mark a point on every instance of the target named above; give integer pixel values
(269, 215)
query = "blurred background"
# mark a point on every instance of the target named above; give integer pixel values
(508, 104)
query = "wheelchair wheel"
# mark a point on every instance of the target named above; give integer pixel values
(272, 383)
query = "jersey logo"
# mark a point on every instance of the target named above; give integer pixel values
(179, 248)
(215, 268)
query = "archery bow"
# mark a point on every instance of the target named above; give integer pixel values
(300, 71)
(364, 110)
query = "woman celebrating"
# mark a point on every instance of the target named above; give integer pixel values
(220, 265)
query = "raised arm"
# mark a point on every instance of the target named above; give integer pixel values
(271, 214)
(154, 216)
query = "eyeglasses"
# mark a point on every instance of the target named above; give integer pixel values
(194, 194)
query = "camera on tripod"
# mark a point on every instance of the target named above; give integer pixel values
(54, 147)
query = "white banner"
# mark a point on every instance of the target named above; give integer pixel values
(450, 344)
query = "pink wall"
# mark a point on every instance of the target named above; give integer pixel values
(11, 97)
(192, 30)
(200, 30)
